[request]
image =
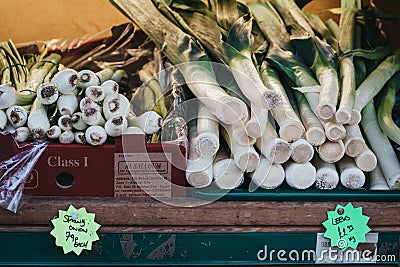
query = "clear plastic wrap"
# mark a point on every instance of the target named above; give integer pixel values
(14, 172)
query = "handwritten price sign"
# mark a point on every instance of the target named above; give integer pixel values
(346, 226)
(75, 230)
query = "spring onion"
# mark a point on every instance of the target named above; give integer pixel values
(350, 175)
(66, 137)
(8, 96)
(54, 132)
(3, 120)
(67, 104)
(21, 134)
(77, 121)
(115, 104)
(79, 138)
(17, 116)
(110, 87)
(95, 92)
(38, 123)
(116, 125)
(300, 175)
(64, 122)
(267, 175)
(65, 81)
(95, 135)
(150, 122)
(47, 93)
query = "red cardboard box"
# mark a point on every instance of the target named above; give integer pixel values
(110, 170)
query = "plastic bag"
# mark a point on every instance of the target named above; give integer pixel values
(14, 172)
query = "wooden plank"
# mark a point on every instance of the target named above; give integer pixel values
(131, 212)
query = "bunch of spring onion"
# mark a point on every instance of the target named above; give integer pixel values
(46, 101)
(304, 83)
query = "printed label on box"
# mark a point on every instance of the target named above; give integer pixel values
(136, 174)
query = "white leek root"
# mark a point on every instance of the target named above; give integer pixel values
(354, 142)
(377, 181)
(331, 151)
(327, 175)
(150, 122)
(273, 148)
(267, 175)
(17, 116)
(350, 175)
(366, 160)
(300, 176)
(95, 135)
(225, 172)
(207, 140)
(302, 151)
(334, 131)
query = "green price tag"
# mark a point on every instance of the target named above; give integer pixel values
(346, 226)
(75, 230)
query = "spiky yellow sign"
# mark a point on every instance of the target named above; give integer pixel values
(346, 226)
(75, 230)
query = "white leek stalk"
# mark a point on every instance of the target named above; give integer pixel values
(267, 175)
(207, 140)
(87, 78)
(8, 96)
(66, 137)
(77, 121)
(327, 175)
(116, 125)
(95, 92)
(366, 160)
(150, 122)
(21, 134)
(255, 126)
(374, 83)
(64, 122)
(67, 104)
(199, 170)
(290, 126)
(300, 176)
(38, 122)
(110, 87)
(115, 104)
(302, 151)
(79, 138)
(95, 135)
(350, 175)
(47, 93)
(3, 120)
(238, 133)
(377, 181)
(65, 81)
(381, 146)
(54, 132)
(331, 151)
(225, 172)
(334, 131)
(273, 148)
(354, 142)
(315, 134)
(17, 116)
